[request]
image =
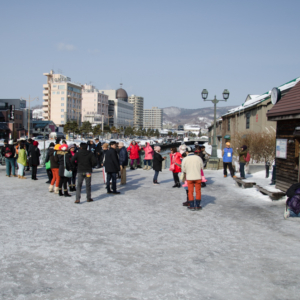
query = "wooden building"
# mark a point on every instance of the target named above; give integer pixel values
(286, 112)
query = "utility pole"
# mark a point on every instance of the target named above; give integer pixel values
(29, 100)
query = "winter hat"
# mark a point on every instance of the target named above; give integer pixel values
(51, 144)
(56, 147)
(63, 147)
(11, 142)
(228, 144)
(35, 143)
(244, 147)
(72, 146)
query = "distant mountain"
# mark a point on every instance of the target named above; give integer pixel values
(199, 116)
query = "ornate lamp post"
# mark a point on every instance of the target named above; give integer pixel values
(214, 157)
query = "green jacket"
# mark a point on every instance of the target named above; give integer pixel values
(22, 159)
(242, 155)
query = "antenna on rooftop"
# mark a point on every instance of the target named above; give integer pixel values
(121, 84)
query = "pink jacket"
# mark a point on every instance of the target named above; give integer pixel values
(148, 152)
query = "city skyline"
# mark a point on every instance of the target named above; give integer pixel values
(165, 52)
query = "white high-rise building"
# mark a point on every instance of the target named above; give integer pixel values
(119, 110)
(138, 110)
(62, 99)
(94, 105)
(153, 118)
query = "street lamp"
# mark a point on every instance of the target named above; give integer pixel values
(29, 100)
(214, 155)
(44, 133)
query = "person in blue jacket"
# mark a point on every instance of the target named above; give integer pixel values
(123, 160)
(227, 160)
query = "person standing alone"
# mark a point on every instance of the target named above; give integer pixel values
(123, 160)
(227, 160)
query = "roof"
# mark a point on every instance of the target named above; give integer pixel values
(259, 99)
(288, 105)
(121, 93)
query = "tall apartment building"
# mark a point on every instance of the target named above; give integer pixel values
(62, 99)
(138, 110)
(153, 118)
(94, 105)
(119, 110)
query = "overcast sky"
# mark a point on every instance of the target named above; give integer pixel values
(165, 51)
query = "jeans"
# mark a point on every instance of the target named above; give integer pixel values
(242, 169)
(21, 170)
(10, 162)
(88, 185)
(147, 162)
(229, 164)
(155, 176)
(113, 178)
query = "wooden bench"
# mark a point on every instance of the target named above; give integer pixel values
(274, 195)
(244, 184)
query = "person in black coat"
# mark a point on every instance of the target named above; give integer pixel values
(157, 163)
(112, 167)
(85, 163)
(49, 172)
(63, 158)
(34, 159)
(98, 152)
(123, 160)
(28, 148)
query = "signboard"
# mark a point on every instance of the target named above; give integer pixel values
(12, 112)
(281, 148)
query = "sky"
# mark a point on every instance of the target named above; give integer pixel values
(164, 51)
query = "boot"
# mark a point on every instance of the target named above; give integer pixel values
(203, 184)
(22, 177)
(60, 192)
(178, 184)
(19, 176)
(192, 205)
(51, 188)
(186, 203)
(198, 207)
(74, 188)
(56, 190)
(149, 168)
(145, 167)
(71, 188)
(66, 194)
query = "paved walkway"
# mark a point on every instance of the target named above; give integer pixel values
(143, 244)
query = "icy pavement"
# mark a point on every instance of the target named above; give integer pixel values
(143, 244)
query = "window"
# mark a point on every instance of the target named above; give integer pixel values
(62, 110)
(247, 120)
(61, 87)
(62, 116)
(53, 93)
(57, 93)
(62, 98)
(228, 125)
(62, 92)
(54, 86)
(62, 104)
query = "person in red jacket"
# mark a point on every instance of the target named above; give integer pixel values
(134, 149)
(175, 160)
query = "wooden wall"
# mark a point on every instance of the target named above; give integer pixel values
(286, 174)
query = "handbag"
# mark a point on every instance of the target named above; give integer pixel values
(48, 165)
(66, 172)
(172, 165)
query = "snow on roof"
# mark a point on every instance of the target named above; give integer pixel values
(258, 99)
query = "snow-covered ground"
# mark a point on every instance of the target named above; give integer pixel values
(143, 244)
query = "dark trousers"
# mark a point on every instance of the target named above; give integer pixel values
(98, 161)
(176, 177)
(229, 164)
(49, 173)
(155, 176)
(88, 185)
(72, 180)
(113, 178)
(33, 172)
(242, 169)
(63, 182)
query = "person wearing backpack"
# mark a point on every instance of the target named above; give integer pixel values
(243, 158)
(9, 153)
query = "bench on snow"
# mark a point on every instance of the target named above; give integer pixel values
(244, 183)
(272, 192)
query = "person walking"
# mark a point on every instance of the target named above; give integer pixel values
(112, 167)
(227, 160)
(54, 169)
(62, 157)
(98, 152)
(8, 151)
(34, 159)
(123, 161)
(133, 150)
(148, 156)
(175, 161)
(157, 163)
(192, 166)
(22, 160)
(85, 161)
(49, 172)
(242, 152)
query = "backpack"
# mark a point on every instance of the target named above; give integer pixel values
(294, 202)
(8, 152)
(247, 157)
